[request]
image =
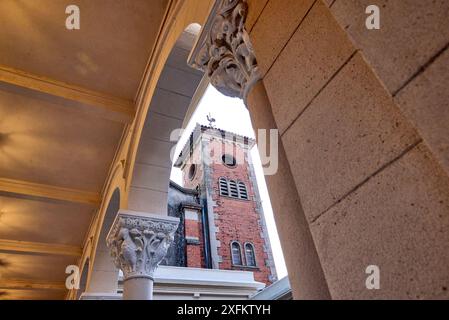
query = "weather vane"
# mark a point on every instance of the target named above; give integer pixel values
(211, 120)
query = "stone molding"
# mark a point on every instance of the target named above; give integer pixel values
(224, 51)
(193, 240)
(139, 241)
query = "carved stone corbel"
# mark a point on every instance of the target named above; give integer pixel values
(224, 51)
(139, 241)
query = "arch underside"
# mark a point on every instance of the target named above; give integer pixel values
(169, 106)
(103, 273)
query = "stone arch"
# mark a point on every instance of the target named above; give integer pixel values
(103, 273)
(236, 73)
(84, 277)
(169, 110)
(187, 14)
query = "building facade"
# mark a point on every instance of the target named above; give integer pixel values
(222, 220)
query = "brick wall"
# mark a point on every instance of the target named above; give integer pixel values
(194, 240)
(234, 219)
(237, 220)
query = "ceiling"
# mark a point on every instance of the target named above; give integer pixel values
(65, 98)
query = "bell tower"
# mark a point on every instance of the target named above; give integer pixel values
(230, 232)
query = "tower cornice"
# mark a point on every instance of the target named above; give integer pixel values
(201, 131)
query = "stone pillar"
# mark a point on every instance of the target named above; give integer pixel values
(138, 242)
(305, 272)
(225, 53)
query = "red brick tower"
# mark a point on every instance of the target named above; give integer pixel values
(230, 231)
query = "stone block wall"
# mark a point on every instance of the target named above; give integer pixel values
(363, 116)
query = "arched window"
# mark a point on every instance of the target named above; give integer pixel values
(250, 255)
(192, 171)
(229, 160)
(236, 253)
(243, 194)
(223, 184)
(233, 191)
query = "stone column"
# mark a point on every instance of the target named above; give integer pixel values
(301, 258)
(225, 53)
(138, 242)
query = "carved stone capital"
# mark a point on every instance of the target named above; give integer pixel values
(139, 241)
(224, 50)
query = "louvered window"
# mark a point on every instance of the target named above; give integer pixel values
(223, 184)
(233, 191)
(243, 194)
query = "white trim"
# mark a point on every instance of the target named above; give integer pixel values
(279, 289)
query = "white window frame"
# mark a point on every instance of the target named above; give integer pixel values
(232, 253)
(253, 249)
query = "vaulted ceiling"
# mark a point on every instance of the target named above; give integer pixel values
(65, 98)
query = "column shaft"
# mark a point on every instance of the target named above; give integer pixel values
(304, 268)
(138, 289)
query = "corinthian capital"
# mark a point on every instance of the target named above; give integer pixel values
(139, 241)
(224, 50)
